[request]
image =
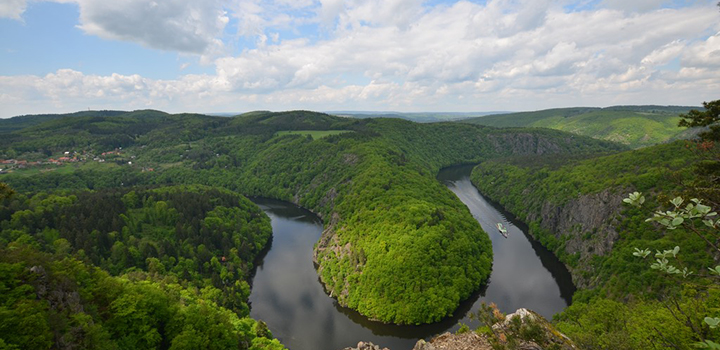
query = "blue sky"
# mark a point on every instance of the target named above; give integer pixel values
(403, 55)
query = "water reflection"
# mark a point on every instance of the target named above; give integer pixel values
(288, 296)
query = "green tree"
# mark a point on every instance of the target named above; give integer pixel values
(709, 117)
(707, 184)
(5, 191)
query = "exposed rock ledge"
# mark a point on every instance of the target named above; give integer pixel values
(551, 338)
(587, 224)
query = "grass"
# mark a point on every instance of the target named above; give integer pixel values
(61, 169)
(315, 134)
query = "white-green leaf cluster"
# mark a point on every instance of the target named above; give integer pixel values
(635, 199)
(668, 253)
(641, 253)
(708, 344)
(672, 219)
(713, 322)
(662, 263)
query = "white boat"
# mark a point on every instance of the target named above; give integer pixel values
(502, 229)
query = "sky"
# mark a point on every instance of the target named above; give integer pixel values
(59, 56)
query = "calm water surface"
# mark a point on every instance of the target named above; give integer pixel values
(287, 294)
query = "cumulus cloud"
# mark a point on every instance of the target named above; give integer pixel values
(173, 25)
(406, 55)
(184, 26)
(705, 54)
(635, 5)
(12, 8)
(460, 43)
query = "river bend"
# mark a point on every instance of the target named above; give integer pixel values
(288, 296)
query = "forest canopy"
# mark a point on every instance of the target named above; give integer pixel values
(373, 184)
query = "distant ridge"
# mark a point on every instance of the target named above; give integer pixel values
(23, 121)
(422, 117)
(635, 126)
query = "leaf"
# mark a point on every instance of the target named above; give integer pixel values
(677, 221)
(641, 253)
(713, 322)
(677, 201)
(704, 209)
(707, 344)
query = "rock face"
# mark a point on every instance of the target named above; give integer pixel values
(587, 226)
(532, 332)
(449, 341)
(521, 330)
(366, 346)
(525, 143)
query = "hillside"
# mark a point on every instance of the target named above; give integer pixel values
(575, 207)
(20, 122)
(130, 269)
(427, 117)
(398, 246)
(634, 126)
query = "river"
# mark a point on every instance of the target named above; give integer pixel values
(288, 296)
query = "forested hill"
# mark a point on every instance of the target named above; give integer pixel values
(397, 246)
(164, 268)
(634, 126)
(575, 207)
(24, 121)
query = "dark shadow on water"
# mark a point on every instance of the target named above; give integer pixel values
(411, 331)
(286, 210)
(548, 260)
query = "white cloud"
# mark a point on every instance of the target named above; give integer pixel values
(635, 5)
(184, 26)
(12, 8)
(704, 54)
(173, 25)
(664, 54)
(400, 54)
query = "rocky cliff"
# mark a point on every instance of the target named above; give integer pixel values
(521, 330)
(587, 227)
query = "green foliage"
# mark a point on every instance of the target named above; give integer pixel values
(602, 323)
(314, 134)
(400, 247)
(463, 329)
(631, 306)
(198, 235)
(526, 187)
(635, 126)
(53, 302)
(708, 117)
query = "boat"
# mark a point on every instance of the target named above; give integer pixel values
(502, 229)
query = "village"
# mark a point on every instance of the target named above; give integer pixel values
(68, 157)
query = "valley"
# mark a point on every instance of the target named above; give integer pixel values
(395, 253)
(286, 293)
